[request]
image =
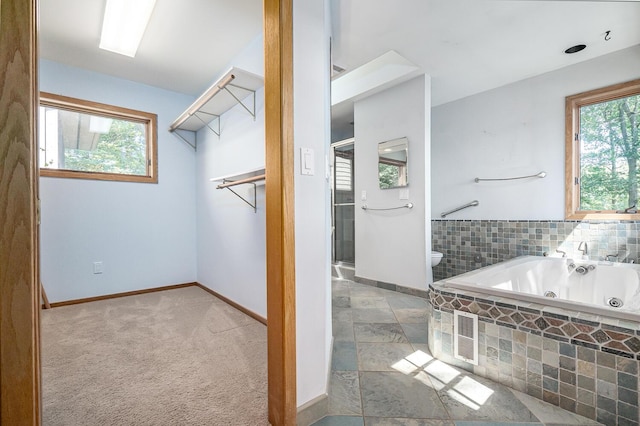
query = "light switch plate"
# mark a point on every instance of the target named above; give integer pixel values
(306, 162)
(404, 194)
(363, 197)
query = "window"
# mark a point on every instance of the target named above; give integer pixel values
(603, 153)
(343, 172)
(88, 140)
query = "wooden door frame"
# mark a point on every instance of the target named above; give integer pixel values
(279, 151)
(19, 265)
(19, 283)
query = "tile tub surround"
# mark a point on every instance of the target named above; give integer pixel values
(463, 242)
(583, 363)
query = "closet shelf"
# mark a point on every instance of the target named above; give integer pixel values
(254, 177)
(233, 88)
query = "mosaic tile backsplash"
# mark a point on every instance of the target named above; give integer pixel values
(471, 244)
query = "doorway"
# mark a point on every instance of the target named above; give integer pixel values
(19, 280)
(343, 203)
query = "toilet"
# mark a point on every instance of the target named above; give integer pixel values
(436, 257)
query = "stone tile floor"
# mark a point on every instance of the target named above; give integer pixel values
(383, 373)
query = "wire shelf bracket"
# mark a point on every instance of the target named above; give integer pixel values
(217, 100)
(250, 177)
(254, 205)
(193, 144)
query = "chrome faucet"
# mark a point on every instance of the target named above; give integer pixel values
(631, 209)
(562, 252)
(583, 247)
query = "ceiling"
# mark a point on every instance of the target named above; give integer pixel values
(467, 46)
(470, 46)
(187, 44)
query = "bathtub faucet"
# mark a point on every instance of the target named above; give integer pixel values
(583, 247)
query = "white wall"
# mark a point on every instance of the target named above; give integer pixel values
(143, 233)
(390, 246)
(312, 197)
(231, 236)
(514, 130)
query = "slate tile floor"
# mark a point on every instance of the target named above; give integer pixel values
(383, 373)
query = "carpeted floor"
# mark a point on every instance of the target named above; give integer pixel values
(176, 357)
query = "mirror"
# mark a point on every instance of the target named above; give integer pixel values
(393, 157)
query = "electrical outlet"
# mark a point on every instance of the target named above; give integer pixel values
(98, 268)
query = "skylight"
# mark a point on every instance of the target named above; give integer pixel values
(124, 25)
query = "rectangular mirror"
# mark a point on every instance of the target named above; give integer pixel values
(393, 157)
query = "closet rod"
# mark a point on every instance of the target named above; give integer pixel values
(241, 181)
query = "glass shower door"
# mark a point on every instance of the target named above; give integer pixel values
(343, 202)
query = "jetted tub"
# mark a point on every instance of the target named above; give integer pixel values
(602, 288)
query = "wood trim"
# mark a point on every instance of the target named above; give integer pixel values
(572, 148)
(19, 282)
(112, 177)
(228, 301)
(605, 94)
(45, 299)
(149, 120)
(235, 305)
(118, 295)
(279, 151)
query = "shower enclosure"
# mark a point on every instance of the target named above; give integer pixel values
(342, 194)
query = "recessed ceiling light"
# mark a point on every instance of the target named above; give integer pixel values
(575, 49)
(124, 24)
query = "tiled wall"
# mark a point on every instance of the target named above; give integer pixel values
(585, 364)
(471, 244)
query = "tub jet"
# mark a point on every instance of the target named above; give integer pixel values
(614, 302)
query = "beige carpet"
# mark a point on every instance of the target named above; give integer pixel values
(177, 357)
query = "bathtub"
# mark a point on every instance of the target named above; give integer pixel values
(601, 288)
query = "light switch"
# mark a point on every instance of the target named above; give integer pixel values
(306, 161)
(404, 194)
(363, 197)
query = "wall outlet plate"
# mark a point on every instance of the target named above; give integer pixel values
(98, 267)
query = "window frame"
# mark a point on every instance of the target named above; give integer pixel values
(149, 120)
(573, 104)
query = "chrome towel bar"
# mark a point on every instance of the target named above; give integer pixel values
(406, 206)
(471, 204)
(538, 175)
